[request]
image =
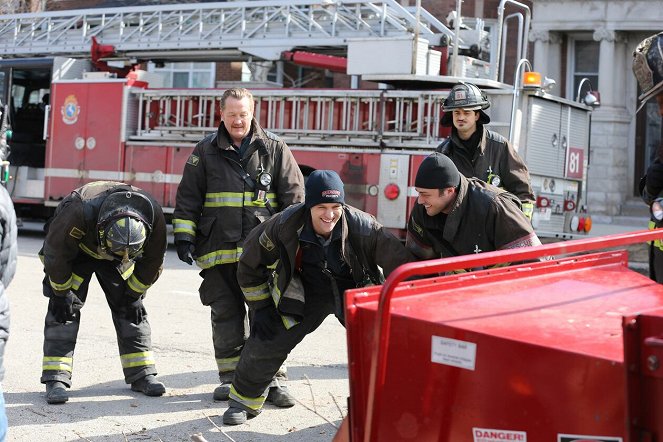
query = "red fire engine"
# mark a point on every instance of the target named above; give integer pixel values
(99, 127)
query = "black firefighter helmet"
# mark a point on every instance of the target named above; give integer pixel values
(648, 67)
(124, 223)
(465, 96)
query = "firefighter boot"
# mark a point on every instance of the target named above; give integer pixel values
(234, 416)
(222, 392)
(56, 392)
(149, 386)
(280, 397)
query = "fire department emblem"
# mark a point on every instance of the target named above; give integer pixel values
(266, 242)
(70, 110)
(77, 233)
(193, 160)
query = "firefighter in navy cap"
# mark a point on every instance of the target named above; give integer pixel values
(479, 152)
(117, 232)
(294, 271)
(233, 180)
(455, 215)
(648, 70)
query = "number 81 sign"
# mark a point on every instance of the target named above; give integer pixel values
(574, 162)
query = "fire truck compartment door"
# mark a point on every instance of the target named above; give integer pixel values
(546, 144)
(86, 137)
(394, 169)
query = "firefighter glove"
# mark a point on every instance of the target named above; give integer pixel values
(136, 312)
(185, 251)
(654, 179)
(64, 308)
(264, 323)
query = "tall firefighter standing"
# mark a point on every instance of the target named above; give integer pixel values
(234, 179)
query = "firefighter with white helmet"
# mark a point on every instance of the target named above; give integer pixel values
(117, 232)
(648, 70)
(479, 152)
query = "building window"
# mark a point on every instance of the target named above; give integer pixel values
(583, 62)
(186, 75)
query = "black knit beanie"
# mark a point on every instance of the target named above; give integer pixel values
(324, 186)
(437, 171)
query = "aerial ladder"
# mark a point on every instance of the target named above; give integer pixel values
(211, 31)
(375, 138)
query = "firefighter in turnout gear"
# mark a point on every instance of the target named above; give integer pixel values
(294, 271)
(479, 152)
(233, 180)
(117, 232)
(648, 70)
(455, 215)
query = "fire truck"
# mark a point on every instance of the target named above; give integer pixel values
(76, 117)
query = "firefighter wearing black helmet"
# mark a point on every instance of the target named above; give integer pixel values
(648, 70)
(479, 152)
(117, 232)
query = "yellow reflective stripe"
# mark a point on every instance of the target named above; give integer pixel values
(64, 286)
(254, 403)
(288, 321)
(59, 363)
(227, 364)
(236, 199)
(270, 196)
(87, 250)
(128, 272)
(528, 210)
(224, 199)
(657, 242)
(184, 226)
(78, 280)
(139, 359)
(135, 284)
(219, 257)
(256, 293)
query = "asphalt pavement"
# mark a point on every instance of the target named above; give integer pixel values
(103, 408)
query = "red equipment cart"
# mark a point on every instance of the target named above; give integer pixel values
(562, 350)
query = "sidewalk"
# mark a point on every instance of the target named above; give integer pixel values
(638, 253)
(609, 225)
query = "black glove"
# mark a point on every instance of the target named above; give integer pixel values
(654, 179)
(264, 323)
(185, 251)
(64, 308)
(135, 311)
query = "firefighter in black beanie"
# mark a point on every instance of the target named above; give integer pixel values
(293, 272)
(455, 215)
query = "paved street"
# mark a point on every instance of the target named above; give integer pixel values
(103, 408)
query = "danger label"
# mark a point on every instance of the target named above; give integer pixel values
(453, 352)
(491, 435)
